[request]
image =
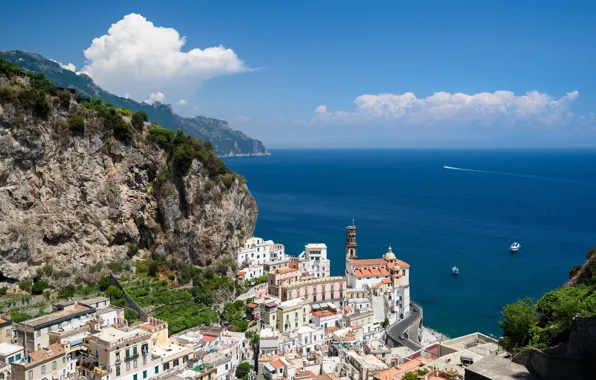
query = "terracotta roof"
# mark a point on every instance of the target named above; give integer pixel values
(403, 264)
(208, 338)
(369, 262)
(386, 281)
(323, 313)
(348, 308)
(277, 364)
(252, 305)
(375, 272)
(332, 329)
(384, 272)
(240, 274)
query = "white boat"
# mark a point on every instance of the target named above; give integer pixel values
(515, 247)
(455, 270)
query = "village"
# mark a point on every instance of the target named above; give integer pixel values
(305, 324)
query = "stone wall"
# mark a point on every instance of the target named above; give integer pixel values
(573, 360)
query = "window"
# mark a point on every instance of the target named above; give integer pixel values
(176, 362)
(11, 359)
(38, 333)
(166, 366)
(31, 374)
(43, 369)
(54, 364)
(144, 360)
(227, 366)
(117, 370)
(127, 353)
(144, 374)
(134, 363)
(128, 366)
(134, 377)
(185, 359)
(134, 351)
(156, 370)
(64, 359)
(117, 356)
(18, 357)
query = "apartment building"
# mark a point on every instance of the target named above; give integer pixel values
(281, 277)
(168, 358)
(6, 330)
(293, 314)
(330, 289)
(123, 352)
(34, 334)
(50, 362)
(9, 353)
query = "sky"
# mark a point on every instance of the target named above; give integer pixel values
(339, 74)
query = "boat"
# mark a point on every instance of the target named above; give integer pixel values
(455, 270)
(515, 247)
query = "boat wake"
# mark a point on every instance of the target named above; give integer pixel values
(553, 179)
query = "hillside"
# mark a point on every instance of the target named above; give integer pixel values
(86, 184)
(225, 141)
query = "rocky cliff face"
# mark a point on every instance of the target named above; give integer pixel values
(72, 200)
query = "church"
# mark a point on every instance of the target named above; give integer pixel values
(384, 281)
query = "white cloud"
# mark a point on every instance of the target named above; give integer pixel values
(182, 102)
(321, 109)
(69, 66)
(156, 97)
(138, 57)
(442, 108)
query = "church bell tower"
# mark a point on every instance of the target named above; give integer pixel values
(351, 245)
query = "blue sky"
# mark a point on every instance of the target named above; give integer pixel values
(342, 57)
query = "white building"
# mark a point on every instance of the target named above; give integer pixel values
(388, 276)
(259, 251)
(309, 339)
(252, 271)
(316, 254)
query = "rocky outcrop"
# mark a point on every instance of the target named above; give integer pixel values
(74, 200)
(225, 140)
(572, 360)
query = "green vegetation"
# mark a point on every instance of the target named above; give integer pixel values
(17, 316)
(548, 321)
(256, 281)
(25, 285)
(138, 119)
(130, 315)
(38, 287)
(243, 369)
(184, 149)
(76, 123)
(3, 290)
(65, 96)
(410, 376)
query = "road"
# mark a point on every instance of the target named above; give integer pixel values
(396, 330)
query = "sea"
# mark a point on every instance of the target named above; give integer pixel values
(435, 218)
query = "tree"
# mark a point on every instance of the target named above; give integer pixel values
(138, 119)
(518, 319)
(104, 283)
(130, 315)
(153, 269)
(410, 376)
(243, 369)
(3, 290)
(113, 293)
(66, 292)
(38, 287)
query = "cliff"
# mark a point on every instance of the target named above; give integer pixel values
(81, 185)
(225, 140)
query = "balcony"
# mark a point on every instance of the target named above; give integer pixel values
(131, 357)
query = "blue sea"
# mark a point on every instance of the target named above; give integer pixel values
(436, 218)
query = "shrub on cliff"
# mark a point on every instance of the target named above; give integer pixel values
(76, 123)
(38, 287)
(138, 119)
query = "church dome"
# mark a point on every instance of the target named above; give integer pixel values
(389, 255)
